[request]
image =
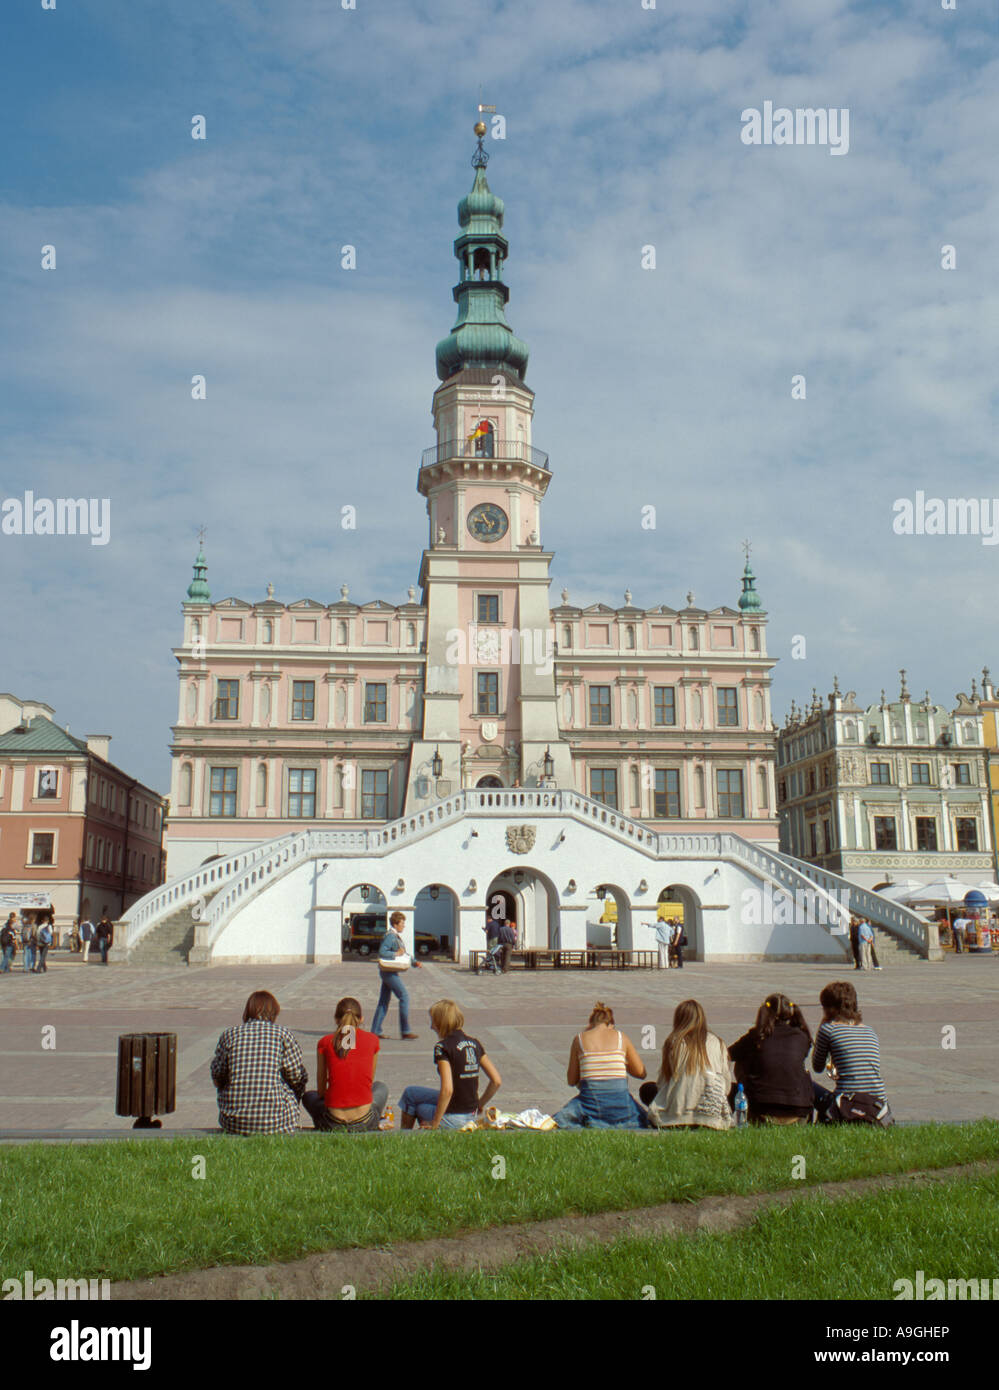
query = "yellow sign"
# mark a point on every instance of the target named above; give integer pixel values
(664, 911)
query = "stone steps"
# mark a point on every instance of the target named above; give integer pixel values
(170, 941)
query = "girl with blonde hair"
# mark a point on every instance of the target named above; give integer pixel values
(459, 1060)
(691, 1091)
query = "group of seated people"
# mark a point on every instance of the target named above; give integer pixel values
(261, 1078)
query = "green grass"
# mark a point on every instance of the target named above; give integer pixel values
(855, 1248)
(124, 1210)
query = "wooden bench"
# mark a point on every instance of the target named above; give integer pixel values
(593, 958)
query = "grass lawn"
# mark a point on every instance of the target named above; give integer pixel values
(855, 1248)
(125, 1210)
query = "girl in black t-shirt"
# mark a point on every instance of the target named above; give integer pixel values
(458, 1059)
(770, 1062)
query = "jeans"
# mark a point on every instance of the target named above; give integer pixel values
(29, 959)
(391, 984)
(43, 952)
(8, 956)
(322, 1119)
(602, 1105)
(421, 1101)
(103, 943)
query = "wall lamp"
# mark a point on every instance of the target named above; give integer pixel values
(435, 891)
(400, 885)
(437, 763)
(570, 887)
(472, 885)
(643, 887)
(365, 892)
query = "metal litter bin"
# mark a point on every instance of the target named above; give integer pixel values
(147, 1077)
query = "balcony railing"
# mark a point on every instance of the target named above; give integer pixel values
(489, 450)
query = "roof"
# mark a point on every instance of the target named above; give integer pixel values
(42, 736)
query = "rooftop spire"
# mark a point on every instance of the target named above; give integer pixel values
(197, 590)
(749, 599)
(481, 336)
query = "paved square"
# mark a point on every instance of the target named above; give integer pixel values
(525, 1019)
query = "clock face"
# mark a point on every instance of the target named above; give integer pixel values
(487, 522)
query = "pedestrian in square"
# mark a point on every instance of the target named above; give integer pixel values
(44, 942)
(8, 943)
(86, 937)
(104, 936)
(677, 942)
(29, 944)
(391, 950)
(866, 942)
(664, 934)
(855, 941)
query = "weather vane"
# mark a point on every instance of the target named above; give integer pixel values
(747, 547)
(480, 159)
(201, 537)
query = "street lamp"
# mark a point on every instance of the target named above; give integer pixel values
(437, 766)
(435, 891)
(518, 877)
(549, 763)
(365, 892)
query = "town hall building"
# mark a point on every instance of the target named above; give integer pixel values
(476, 748)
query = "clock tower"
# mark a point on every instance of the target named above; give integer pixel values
(490, 713)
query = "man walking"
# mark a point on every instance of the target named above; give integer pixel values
(391, 947)
(855, 941)
(44, 942)
(86, 937)
(8, 943)
(105, 936)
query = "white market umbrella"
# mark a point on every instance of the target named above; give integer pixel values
(895, 892)
(945, 892)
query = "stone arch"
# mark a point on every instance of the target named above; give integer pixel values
(435, 913)
(362, 899)
(619, 917)
(489, 781)
(535, 905)
(693, 923)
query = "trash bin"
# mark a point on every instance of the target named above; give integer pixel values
(147, 1077)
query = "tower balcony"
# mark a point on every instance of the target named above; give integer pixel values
(483, 456)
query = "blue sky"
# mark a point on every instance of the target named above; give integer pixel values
(669, 387)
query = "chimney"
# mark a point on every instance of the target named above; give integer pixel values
(99, 745)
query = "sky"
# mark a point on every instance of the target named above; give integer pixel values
(671, 387)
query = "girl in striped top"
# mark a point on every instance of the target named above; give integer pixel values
(600, 1062)
(845, 1040)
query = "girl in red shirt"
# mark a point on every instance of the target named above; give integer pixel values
(349, 1099)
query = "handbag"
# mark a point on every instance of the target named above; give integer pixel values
(399, 963)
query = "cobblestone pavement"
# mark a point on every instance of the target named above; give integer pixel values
(525, 1019)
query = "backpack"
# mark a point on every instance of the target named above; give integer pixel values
(861, 1109)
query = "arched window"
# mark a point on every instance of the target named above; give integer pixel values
(411, 634)
(754, 639)
(699, 787)
(483, 438)
(629, 637)
(185, 784)
(762, 796)
(693, 640)
(262, 785)
(341, 633)
(268, 630)
(567, 635)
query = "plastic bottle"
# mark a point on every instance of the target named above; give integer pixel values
(388, 1118)
(741, 1108)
